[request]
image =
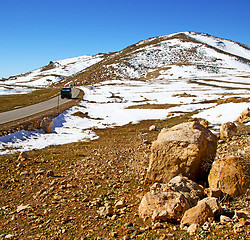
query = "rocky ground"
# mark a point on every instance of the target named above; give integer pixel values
(93, 190)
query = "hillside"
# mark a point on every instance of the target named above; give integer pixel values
(180, 55)
(98, 153)
(54, 72)
(86, 177)
(158, 78)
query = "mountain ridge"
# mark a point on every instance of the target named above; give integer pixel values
(189, 53)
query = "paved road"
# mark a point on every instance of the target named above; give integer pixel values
(17, 114)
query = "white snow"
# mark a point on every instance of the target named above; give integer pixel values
(175, 66)
(223, 44)
(10, 90)
(108, 106)
(227, 112)
(63, 68)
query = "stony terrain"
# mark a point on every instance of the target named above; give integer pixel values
(59, 192)
(93, 190)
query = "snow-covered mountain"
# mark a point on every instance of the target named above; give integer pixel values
(180, 55)
(54, 72)
(158, 78)
(175, 56)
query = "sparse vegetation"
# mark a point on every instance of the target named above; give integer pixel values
(63, 187)
(10, 102)
(88, 175)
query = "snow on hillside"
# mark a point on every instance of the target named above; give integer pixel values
(177, 56)
(54, 71)
(110, 103)
(223, 44)
(9, 90)
(172, 69)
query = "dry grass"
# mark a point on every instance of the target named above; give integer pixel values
(10, 102)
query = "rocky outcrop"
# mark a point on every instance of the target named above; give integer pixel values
(188, 149)
(231, 175)
(168, 202)
(228, 130)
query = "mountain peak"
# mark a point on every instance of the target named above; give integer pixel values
(178, 55)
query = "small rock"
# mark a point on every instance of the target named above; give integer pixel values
(239, 215)
(242, 222)
(129, 224)
(23, 156)
(238, 229)
(9, 236)
(175, 228)
(227, 130)
(40, 172)
(120, 204)
(113, 234)
(125, 238)
(213, 192)
(143, 229)
(153, 128)
(24, 173)
(198, 214)
(157, 226)
(20, 165)
(204, 123)
(225, 220)
(206, 226)
(193, 229)
(50, 173)
(213, 204)
(106, 211)
(22, 208)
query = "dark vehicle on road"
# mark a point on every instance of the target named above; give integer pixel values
(66, 93)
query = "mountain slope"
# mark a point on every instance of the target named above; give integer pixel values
(55, 71)
(180, 55)
(228, 46)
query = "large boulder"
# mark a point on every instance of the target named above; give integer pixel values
(168, 202)
(228, 130)
(231, 175)
(188, 149)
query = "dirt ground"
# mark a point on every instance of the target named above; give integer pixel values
(57, 192)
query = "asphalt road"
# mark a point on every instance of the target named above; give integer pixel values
(24, 112)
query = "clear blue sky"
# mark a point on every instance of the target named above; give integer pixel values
(33, 32)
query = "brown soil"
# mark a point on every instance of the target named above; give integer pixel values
(86, 176)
